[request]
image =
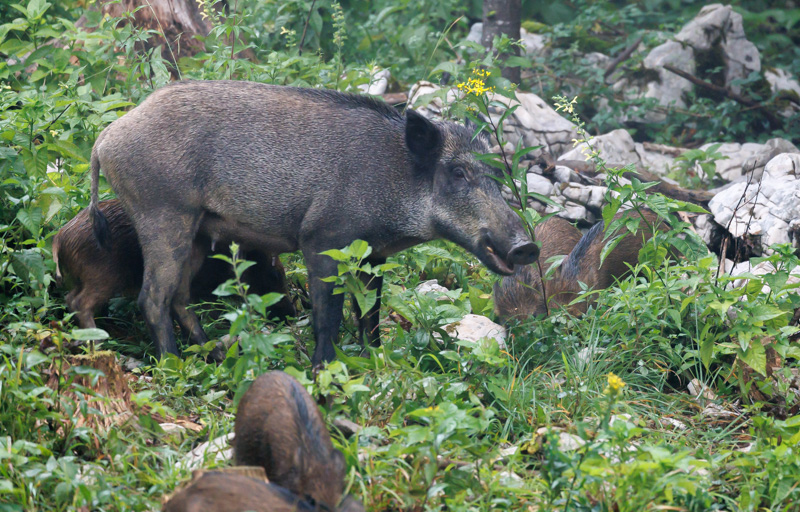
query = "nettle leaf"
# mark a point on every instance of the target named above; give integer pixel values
(34, 161)
(764, 312)
(31, 220)
(67, 149)
(777, 280)
(336, 255)
(706, 346)
(445, 67)
(359, 249)
(366, 301)
(756, 357)
(29, 266)
(436, 252)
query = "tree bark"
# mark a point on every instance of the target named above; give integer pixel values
(502, 17)
(175, 23)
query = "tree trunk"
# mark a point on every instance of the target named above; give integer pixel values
(176, 24)
(502, 17)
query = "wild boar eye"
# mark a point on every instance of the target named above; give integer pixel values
(459, 173)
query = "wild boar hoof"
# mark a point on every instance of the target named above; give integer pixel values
(216, 355)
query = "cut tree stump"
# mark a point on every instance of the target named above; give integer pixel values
(107, 397)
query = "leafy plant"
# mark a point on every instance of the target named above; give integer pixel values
(697, 166)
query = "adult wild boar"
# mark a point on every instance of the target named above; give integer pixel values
(281, 169)
(520, 295)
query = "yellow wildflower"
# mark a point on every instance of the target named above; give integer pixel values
(566, 107)
(615, 385)
(201, 4)
(476, 84)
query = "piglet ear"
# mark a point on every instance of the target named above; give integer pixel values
(423, 138)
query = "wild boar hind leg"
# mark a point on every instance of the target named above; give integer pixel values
(166, 237)
(187, 319)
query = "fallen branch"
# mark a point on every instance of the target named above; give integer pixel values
(622, 57)
(664, 150)
(725, 91)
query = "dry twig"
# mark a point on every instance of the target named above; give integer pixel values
(725, 91)
(622, 57)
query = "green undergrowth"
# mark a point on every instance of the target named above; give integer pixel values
(586, 413)
(589, 413)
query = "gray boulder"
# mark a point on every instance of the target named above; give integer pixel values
(716, 28)
(719, 25)
(766, 211)
(748, 158)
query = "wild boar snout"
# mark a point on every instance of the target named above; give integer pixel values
(523, 253)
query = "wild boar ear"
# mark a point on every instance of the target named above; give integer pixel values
(423, 137)
(470, 124)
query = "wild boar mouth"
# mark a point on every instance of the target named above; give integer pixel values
(492, 260)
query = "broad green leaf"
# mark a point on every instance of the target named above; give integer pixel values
(89, 334)
(706, 346)
(28, 264)
(755, 357)
(764, 312)
(31, 219)
(446, 67)
(67, 149)
(336, 254)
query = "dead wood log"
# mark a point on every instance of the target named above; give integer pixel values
(699, 197)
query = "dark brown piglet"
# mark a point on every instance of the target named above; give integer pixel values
(278, 426)
(519, 295)
(224, 492)
(94, 275)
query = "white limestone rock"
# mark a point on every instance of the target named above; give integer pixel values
(475, 327)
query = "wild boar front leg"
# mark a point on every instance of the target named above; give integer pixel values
(368, 324)
(326, 308)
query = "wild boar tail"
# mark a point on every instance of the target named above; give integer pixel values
(102, 232)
